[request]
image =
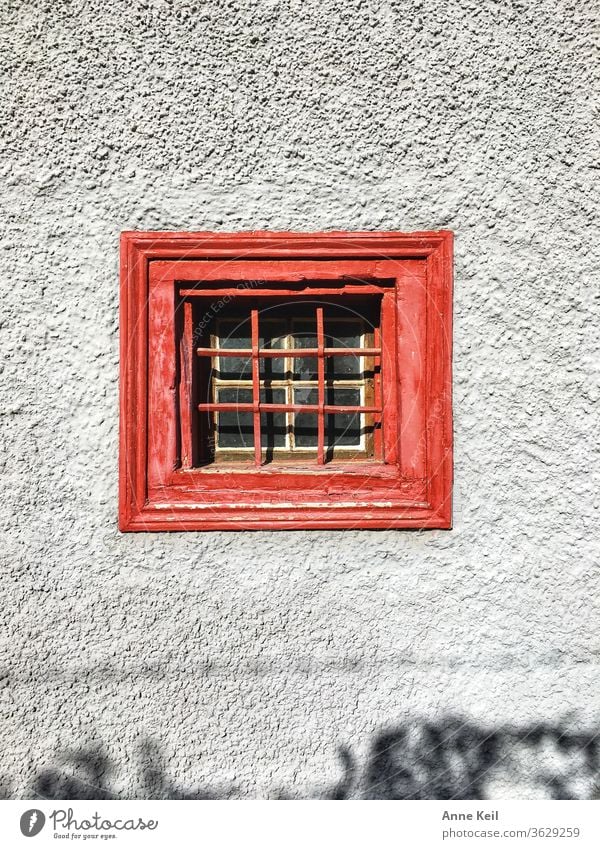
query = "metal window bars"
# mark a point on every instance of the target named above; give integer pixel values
(255, 353)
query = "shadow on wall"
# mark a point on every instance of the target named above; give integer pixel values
(447, 759)
(454, 759)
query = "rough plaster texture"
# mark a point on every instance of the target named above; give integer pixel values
(270, 664)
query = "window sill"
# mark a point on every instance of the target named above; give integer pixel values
(359, 467)
(306, 487)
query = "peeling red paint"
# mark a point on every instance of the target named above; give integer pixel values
(410, 486)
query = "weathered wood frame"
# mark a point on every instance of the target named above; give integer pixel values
(411, 489)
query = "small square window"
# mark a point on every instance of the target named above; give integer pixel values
(285, 380)
(318, 374)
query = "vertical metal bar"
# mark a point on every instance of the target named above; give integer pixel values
(256, 388)
(321, 376)
(377, 378)
(289, 366)
(390, 375)
(186, 366)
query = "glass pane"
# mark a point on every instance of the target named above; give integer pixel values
(343, 368)
(234, 334)
(273, 427)
(304, 335)
(238, 334)
(343, 334)
(235, 429)
(306, 395)
(305, 424)
(234, 368)
(273, 333)
(342, 429)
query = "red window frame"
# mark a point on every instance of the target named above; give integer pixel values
(161, 274)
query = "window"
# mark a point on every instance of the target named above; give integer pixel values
(279, 380)
(314, 392)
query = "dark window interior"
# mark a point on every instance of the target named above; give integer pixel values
(224, 386)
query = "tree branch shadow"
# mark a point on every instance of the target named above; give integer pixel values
(420, 759)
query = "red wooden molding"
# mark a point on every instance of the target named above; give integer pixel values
(163, 274)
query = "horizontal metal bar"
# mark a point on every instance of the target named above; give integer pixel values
(283, 383)
(287, 408)
(287, 352)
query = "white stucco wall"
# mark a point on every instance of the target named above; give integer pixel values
(266, 664)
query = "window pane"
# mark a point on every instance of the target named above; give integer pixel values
(342, 429)
(304, 335)
(306, 395)
(234, 334)
(272, 368)
(343, 334)
(237, 334)
(273, 333)
(305, 424)
(343, 368)
(235, 429)
(234, 368)
(273, 427)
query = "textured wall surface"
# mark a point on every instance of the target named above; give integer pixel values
(322, 663)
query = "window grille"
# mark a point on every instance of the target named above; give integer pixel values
(285, 387)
